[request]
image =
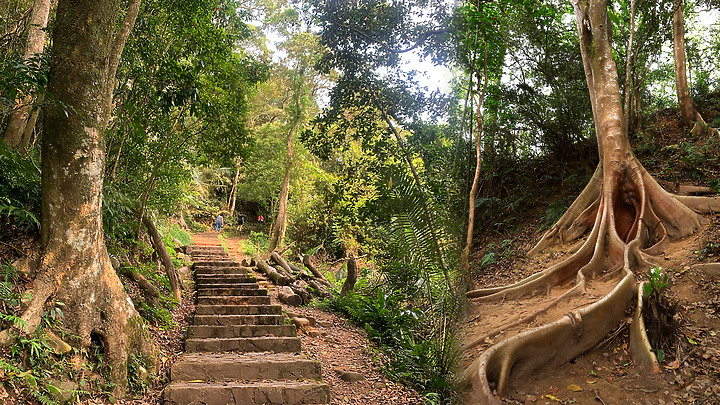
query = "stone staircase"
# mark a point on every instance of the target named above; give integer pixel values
(239, 350)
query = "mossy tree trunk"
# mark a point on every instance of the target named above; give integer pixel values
(75, 267)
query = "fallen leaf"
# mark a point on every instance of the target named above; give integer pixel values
(574, 388)
(674, 365)
(554, 398)
(554, 390)
(591, 381)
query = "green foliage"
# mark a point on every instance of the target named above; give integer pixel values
(555, 210)
(19, 188)
(155, 315)
(10, 297)
(382, 316)
(118, 208)
(711, 249)
(657, 281)
(496, 252)
(257, 242)
(400, 331)
(18, 78)
(138, 375)
(28, 382)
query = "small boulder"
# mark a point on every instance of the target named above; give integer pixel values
(57, 344)
(311, 320)
(62, 391)
(312, 332)
(349, 376)
(301, 323)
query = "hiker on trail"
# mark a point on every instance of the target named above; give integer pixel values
(241, 221)
(219, 223)
(261, 219)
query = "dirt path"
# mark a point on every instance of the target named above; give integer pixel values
(342, 349)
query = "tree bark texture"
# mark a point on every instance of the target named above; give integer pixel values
(233, 191)
(159, 246)
(630, 219)
(629, 69)
(307, 261)
(22, 114)
(287, 296)
(75, 267)
(277, 238)
(351, 278)
(141, 281)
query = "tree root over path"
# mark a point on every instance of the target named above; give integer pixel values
(631, 220)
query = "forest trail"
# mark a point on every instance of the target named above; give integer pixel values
(351, 365)
(239, 350)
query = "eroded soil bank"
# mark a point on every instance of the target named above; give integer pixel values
(606, 374)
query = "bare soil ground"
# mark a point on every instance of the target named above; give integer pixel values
(606, 375)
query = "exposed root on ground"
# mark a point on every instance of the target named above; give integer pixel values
(631, 220)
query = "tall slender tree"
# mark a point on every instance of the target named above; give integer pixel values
(17, 134)
(690, 114)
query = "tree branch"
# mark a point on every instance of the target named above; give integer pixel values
(422, 38)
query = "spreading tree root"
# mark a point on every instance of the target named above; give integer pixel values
(98, 314)
(632, 219)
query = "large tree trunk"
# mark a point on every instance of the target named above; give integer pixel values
(75, 267)
(159, 246)
(690, 115)
(630, 218)
(22, 114)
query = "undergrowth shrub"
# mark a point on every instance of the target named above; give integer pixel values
(402, 334)
(256, 243)
(19, 189)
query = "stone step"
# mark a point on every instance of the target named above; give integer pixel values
(239, 331)
(215, 263)
(238, 319)
(224, 286)
(244, 366)
(204, 248)
(205, 309)
(224, 278)
(219, 271)
(268, 393)
(251, 344)
(232, 292)
(211, 257)
(230, 300)
(202, 284)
